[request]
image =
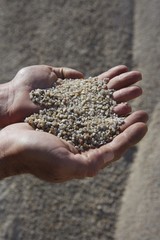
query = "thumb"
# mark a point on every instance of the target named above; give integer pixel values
(64, 72)
(89, 163)
(94, 160)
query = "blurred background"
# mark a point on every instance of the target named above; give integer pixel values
(123, 201)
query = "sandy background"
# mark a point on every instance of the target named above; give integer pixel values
(123, 202)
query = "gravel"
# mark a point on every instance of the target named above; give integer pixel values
(79, 111)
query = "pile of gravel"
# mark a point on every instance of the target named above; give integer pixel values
(79, 111)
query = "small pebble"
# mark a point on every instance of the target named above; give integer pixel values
(79, 111)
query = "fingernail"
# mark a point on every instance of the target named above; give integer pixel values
(106, 80)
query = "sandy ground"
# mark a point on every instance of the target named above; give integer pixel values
(90, 36)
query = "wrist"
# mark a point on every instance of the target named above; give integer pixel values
(9, 162)
(4, 159)
(5, 103)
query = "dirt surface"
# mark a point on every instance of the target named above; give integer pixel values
(140, 213)
(90, 36)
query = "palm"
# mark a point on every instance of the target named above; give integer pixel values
(30, 78)
(44, 154)
(52, 159)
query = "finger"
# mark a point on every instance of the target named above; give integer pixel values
(113, 72)
(122, 109)
(123, 96)
(64, 72)
(94, 160)
(90, 162)
(131, 136)
(124, 80)
(138, 116)
(127, 94)
(70, 147)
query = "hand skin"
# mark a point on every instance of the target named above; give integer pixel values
(24, 150)
(15, 103)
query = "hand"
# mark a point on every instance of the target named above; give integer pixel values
(52, 159)
(24, 150)
(122, 81)
(15, 103)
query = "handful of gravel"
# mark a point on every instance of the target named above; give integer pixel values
(79, 111)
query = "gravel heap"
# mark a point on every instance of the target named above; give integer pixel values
(79, 111)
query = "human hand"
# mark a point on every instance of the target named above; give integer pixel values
(16, 104)
(49, 158)
(24, 150)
